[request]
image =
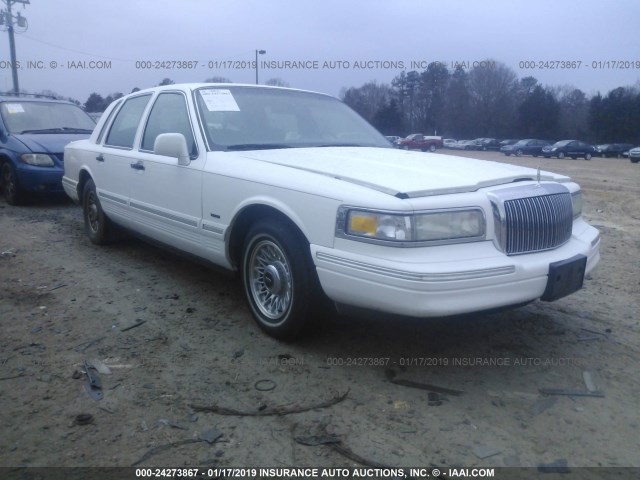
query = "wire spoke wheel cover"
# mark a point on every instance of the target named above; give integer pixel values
(278, 276)
(270, 281)
(93, 220)
(97, 225)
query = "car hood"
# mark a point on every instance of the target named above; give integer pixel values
(400, 173)
(49, 142)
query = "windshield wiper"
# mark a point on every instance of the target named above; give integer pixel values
(257, 146)
(77, 130)
(57, 130)
(43, 130)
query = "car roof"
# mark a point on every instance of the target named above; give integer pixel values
(34, 99)
(195, 86)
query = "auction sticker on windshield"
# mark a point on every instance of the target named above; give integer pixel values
(15, 108)
(219, 100)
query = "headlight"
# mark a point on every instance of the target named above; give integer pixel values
(38, 159)
(449, 225)
(379, 225)
(441, 226)
(576, 203)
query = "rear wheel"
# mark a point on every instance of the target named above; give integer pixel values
(587, 156)
(98, 227)
(12, 192)
(279, 278)
(519, 153)
(432, 148)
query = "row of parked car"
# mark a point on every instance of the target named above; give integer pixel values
(528, 146)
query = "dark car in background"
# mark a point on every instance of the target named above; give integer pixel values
(508, 141)
(33, 134)
(613, 149)
(569, 148)
(489, 144)
(528, 146)
(634, 155)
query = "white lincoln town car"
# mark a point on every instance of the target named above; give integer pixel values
(307, 201)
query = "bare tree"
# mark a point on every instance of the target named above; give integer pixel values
(276, 82)
(492, 87)
(218, 80)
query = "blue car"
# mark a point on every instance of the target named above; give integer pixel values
(33, 133)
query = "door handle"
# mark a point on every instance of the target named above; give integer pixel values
(137, 166)
(100, 158)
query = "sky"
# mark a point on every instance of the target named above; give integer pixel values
(76, 47)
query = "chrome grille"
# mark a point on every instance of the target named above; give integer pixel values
(537, 223)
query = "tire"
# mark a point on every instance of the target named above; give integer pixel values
(432, 148)
(98, 227)
(507, 154)
(10, 188)
(279, 278)
(561, 155)
(587, 156)
(634, 160)
(518, 153)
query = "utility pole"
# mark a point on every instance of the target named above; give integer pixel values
(261, 52)
(22, 22)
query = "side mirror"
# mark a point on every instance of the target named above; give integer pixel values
(172, 145)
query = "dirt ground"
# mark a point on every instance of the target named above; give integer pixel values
(193, 343)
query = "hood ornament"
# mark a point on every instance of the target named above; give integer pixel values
(538, 177)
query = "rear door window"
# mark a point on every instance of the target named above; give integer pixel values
(124, 127)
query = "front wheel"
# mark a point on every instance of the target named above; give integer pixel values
(561, 155)
(432, 148)
(12, 193)
(518, 153)
(278, 278)
(96, 224)
(587, 156)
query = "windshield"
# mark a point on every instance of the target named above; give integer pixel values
(45, 117)
(246, 118)
(562, 143)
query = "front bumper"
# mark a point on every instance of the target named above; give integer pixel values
(40, 179)
(443, 280)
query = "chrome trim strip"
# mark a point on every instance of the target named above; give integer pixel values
(70, 182)
(111, 197)
(160, 213)
(416, 277)
(212, 228)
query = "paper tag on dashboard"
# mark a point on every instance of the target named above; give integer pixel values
(14, 108)
(219, 100)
